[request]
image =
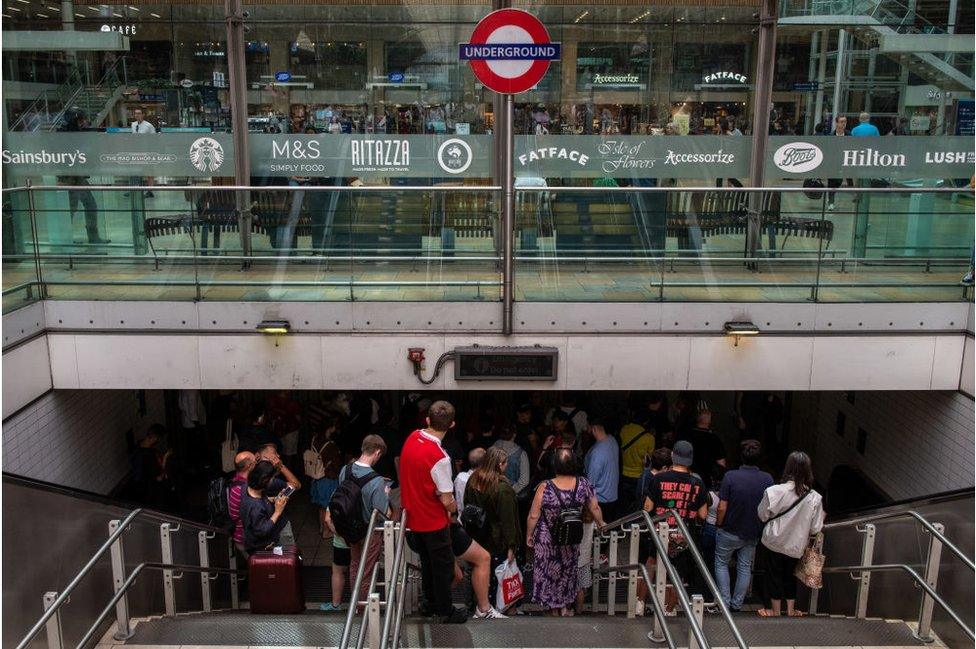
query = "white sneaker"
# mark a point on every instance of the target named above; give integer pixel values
(491, 614)
(830, 207)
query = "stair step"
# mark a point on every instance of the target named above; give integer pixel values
(240, 628)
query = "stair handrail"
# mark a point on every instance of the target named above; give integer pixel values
(65, 594)
(68, 104)
(707, 574)
(655, 602)
(151, 565)
(394, 602)
(887, 567)
(357, 584)
(854, 522)
(73, 76)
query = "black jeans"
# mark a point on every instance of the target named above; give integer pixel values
(87, 200)
(436, 567)
(780, 582)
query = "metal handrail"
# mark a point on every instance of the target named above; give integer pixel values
(131, 580)
(65, 594)
(354, 600)
(709, 580)
(888, 567)
(393, 601)
(913, 514)
(361, 640)
(655, 603)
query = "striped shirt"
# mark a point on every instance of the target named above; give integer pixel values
(234, 505)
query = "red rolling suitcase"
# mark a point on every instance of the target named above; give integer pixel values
(276, 581)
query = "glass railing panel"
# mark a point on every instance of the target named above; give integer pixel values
(20, 286)
(115, 244)
(903, 246)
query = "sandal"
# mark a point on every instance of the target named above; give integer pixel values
(796, 614)
(765, 612)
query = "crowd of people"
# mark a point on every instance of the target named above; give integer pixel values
(528, 488)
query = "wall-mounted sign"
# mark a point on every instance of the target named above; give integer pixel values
(128, 30)
(186, 83)
(208, 51)
(615, 79)
(395, 77)
(506, 363)
(806, 86)
(219, 79)
(871, 157)
(282, 77)
(509, 51)
(724, 78)
(965, 117)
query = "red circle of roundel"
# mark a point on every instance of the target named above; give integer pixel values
(502, 18)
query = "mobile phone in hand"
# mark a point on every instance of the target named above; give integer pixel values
(287, 491)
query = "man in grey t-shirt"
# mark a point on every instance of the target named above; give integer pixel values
(375, 495)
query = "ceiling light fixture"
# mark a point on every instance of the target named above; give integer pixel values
(155, 15)
(582, 15)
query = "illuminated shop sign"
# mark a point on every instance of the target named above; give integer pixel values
(128, 30)
(615, 79)
(724, 78)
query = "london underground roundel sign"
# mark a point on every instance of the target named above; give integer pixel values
(510, 51)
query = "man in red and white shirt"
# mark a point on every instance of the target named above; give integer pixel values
(427, 493)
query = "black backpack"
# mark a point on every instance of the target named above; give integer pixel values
(218, 506)
(568, 527)
(346, 507)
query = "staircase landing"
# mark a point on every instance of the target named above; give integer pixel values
(314, 629)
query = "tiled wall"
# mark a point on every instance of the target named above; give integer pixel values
(917, 443)
(76, 438)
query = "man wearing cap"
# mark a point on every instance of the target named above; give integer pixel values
(680, 490)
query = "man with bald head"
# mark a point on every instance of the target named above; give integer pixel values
(243, 463)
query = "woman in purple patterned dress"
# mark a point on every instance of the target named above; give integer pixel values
(554, 583)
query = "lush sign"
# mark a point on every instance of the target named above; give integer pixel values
(885, 157)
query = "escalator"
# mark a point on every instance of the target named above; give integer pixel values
(932, 537)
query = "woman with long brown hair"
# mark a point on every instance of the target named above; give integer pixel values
(489, 490)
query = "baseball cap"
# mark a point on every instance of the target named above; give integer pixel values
(683, 453)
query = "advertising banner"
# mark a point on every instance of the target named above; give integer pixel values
(632, 156)
(117, 154)
(884, 157)
(370, 157)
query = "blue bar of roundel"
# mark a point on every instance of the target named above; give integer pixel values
(509, 51)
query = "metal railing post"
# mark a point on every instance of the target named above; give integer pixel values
(122, 631)
(864, 580)
(612, 577)
(166, 549)
(204, 576)
(698, 610)
(372, 621)
(815, 289)
(32, 215)
(815, 592)
(595, 595)
(235, 594)
(54, 623)
(389, 554)
(660, 578)
(932, 563)
(633, 556)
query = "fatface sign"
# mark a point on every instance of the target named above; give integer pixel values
(509, 51)
(888, 158)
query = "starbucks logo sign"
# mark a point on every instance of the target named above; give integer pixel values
(206, 154)
(454, 156)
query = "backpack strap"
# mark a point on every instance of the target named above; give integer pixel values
(633, 440)
(363, 480)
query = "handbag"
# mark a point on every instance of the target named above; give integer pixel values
(473, 518)
(813, 183)
(568, 527)
(314, 468)
(228, 448)
(809, 569)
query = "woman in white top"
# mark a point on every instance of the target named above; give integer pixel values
(793, 512)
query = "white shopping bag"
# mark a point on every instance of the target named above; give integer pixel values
(510, 589)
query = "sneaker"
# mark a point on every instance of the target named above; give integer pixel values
(491, 614)
(149, 195)
(830, 207)
(968, 279)
(330, 607)
(457, 616)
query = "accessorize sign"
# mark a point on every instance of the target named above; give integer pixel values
(884, 157)
(118, 154)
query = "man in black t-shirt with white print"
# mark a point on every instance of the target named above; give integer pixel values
(679, 489)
